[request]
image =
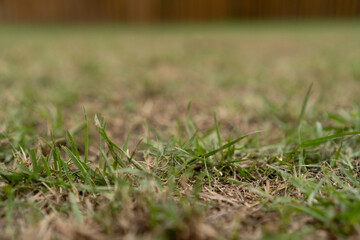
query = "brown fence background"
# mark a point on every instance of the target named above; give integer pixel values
(173, 10)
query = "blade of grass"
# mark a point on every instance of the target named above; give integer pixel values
(56, 158)
(303, 107)
(76, 161)
(72, 144)
(86, 137)
(218, 134)
(317, 141)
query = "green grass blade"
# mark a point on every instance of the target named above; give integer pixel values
(57, 160)
(86, 137)
(303, 107)
(217, 130)
(34, 160)
(72, 144)
(317, 141)
(46, 166)
(75, 160)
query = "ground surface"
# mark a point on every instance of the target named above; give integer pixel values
(164, 166)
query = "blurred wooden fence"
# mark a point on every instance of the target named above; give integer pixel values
(164, 10)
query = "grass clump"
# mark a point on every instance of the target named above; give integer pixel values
(162, 169)
(165, 189)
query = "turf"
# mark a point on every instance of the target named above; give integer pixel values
(223, 131)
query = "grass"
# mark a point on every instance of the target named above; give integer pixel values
(98, 139)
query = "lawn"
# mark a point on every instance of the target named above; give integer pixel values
(222, 131)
